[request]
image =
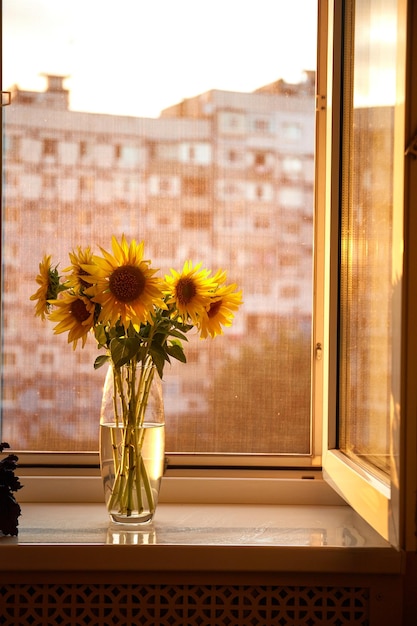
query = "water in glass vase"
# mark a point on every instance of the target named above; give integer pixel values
(132, 465)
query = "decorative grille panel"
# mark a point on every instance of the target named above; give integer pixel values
(182, 605)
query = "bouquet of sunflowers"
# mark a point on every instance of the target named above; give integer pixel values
(132, 312)
(139, 319)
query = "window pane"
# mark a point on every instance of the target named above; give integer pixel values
(198, 141)
(371, 226)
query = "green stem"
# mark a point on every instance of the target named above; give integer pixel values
(131, 472)
(147, 485)
(116, 419)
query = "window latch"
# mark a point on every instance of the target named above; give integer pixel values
(320, 102)
(319, 351)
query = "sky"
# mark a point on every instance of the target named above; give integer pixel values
(137, 57)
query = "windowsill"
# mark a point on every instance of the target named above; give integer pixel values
(268, 538)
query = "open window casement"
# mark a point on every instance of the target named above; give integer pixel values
(364, 240)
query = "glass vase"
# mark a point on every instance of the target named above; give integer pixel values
(132, 442)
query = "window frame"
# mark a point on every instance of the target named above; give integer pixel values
(78, 460)
(32, 461)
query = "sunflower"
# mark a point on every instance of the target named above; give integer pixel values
(190, 291)
(74, 313)
(220, 311)
(78, 259)
(48, 279)
(124, 285)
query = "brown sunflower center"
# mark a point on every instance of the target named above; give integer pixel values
(185, 290)
(127, 283)
(214, 307)
(79, 311)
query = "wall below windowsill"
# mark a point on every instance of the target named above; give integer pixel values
(57, 538)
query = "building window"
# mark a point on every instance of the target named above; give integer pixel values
(198, 220)
(49, 181)
(129, 156)
(290, 292)
(262, 222)
(164, 220)
(232, 123)
(48, 217)
(86, 184)
(199, 153)
(231, 189)
(46, 358)
(10, 395)
(291, 197)
(293, 228)
(12, 214)
(259, 159)
(289, 260)
(195, 186)
(292, 131)
(13, 147)
(263, 192)
(165, 186)
(9, 359)
(46, 393)
(261, 125)
(292, 167)
(50, 147)
(83, 149)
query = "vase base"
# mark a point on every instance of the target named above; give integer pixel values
(131, 520)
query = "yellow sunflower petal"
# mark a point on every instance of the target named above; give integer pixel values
(189, 291)
(44, 291)
(220, 311)
(79, 259)
(73, 313)
(124, 284)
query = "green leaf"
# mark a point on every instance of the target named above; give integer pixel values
(183, 327)
(131, 332)
(159, 358)
(101, 335)
(123, 349)
(158, 339)
(101, 360)
(175, 350)
(177, 333)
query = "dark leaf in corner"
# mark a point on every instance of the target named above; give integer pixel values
(9, 508)
(9, 512)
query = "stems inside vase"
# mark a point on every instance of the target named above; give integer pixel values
(132, 489)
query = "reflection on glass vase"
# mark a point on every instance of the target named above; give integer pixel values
(132, 441)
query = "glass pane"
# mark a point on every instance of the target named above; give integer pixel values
(371, 226)
(188, 125)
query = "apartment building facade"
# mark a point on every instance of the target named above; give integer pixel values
(224, 178)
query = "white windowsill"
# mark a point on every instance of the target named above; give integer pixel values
(78, 537)
(192, 486)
